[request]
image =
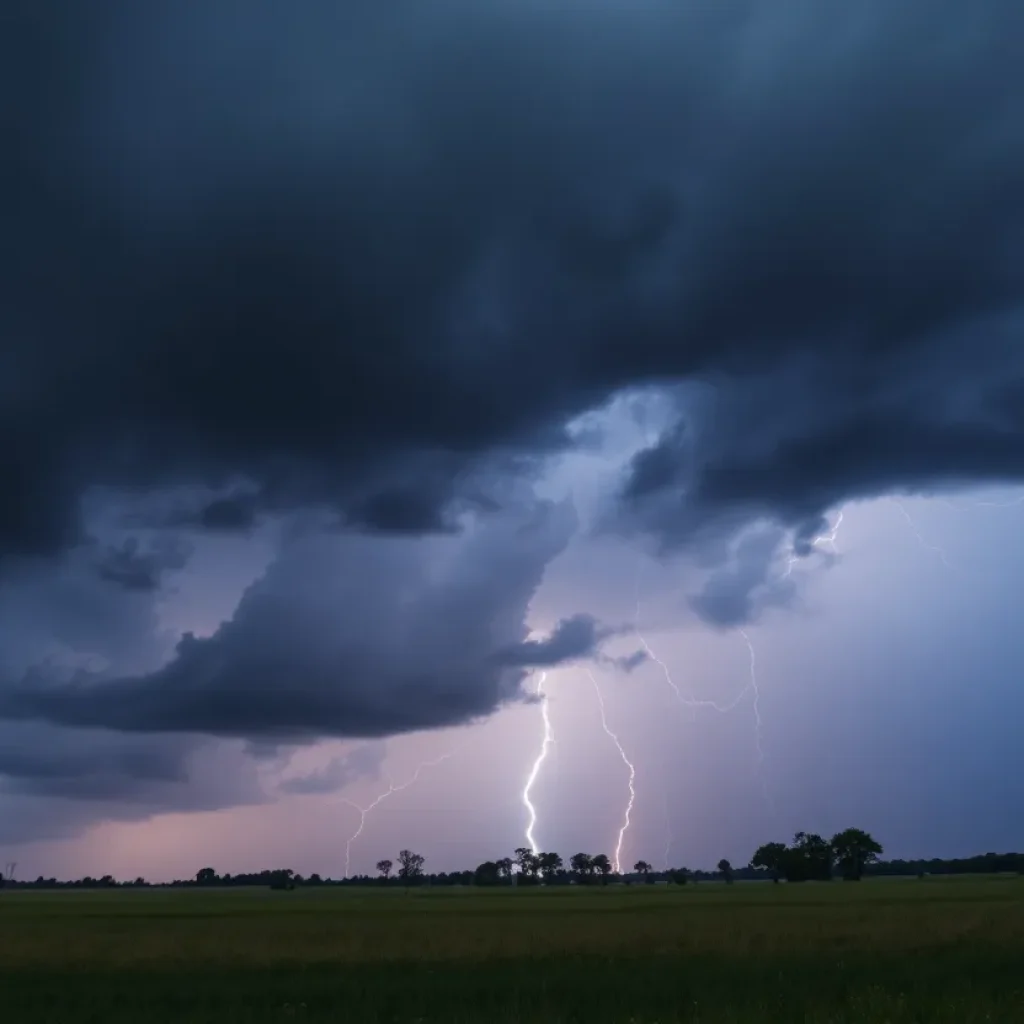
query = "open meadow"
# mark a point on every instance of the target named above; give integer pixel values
(931, 950)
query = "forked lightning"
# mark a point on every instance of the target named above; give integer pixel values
(392, 789)
(617, 859)
(546, 741)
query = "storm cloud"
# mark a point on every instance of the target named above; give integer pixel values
(573, 638)
(136, 566)
(368, 261)
(362, 763)
(56, 781)
(346, 636)
(347, 252)
(738, 591)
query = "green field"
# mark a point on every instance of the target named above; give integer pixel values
(895, 951)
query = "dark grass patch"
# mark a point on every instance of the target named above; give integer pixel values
(876, 953)
(958, 985)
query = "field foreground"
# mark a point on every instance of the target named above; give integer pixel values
(928, 951)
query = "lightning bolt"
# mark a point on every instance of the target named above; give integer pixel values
(548, 739)
(390, 791)
(822, 538)
(617, 859)
(831, 538)
(684, 699)
(753, 688)
(934, 548)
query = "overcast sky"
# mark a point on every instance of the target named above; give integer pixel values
(362, 366)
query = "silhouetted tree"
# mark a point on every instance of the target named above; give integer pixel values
(641, 867)
(206, 876)
(505, 866)
(771, 857)
(410, 866)
(529, 865)
(486, 873)
(384, 869)
(524, 860)
(603, 866)
(726, 870)
(854, 849)
(582, 865)
(810, 857)
(550, 864)
(681, 876)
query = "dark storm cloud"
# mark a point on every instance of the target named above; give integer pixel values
(345, 636)
(54, 781)
(88, 765)
(138, 566)
(65, 613)
(573, 638)
(362, 763)
(368, 260)
(736, 592)
(312, 245)
(628, 662)
(232, 513)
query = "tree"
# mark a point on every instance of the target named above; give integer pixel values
(486, 873)
(281, 879)
(681, 876)
(603, 866)
(410, 866)
(505, 866)
(384, 867)
(523, 858)
(528, 863)
(810, 857)
(854, 849)
(771, 857)
(582, 865)
(726, 869)
(206, 876)
(549, 865)
(641, 867)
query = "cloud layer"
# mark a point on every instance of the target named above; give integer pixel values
(347, 636)
(271, 261)
(342, 254)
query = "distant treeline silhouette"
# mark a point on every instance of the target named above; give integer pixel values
(851, 855)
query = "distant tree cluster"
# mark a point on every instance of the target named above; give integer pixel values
(852, 853)
(812, 858)
(529, 868)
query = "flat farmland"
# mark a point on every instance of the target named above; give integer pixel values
(895, 951)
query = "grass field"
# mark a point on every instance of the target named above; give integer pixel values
(928, 951)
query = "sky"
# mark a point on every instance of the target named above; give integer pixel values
(366, 370)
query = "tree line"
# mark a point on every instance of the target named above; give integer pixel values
(851, 854)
